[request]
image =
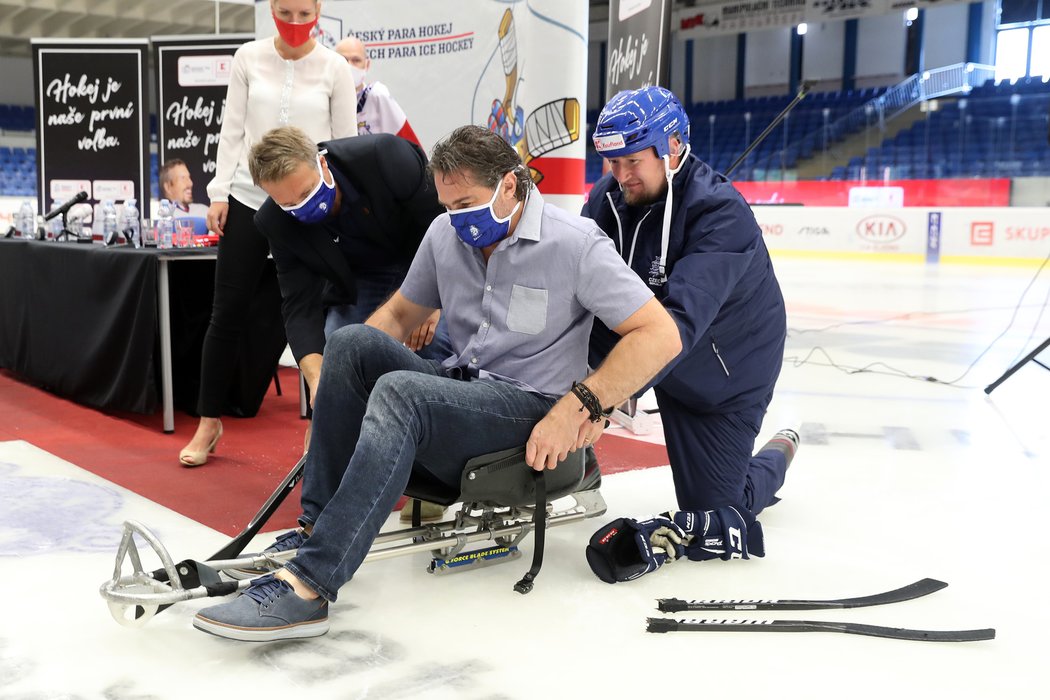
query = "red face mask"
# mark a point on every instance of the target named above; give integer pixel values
(294, 35)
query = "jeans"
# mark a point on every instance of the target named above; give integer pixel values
(374, 288)
(380, 412)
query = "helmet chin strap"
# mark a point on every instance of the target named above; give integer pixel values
(665, 232)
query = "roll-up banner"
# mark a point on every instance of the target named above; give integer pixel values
(519, 68)
(639, 44)
(191, 75)
(92, 119)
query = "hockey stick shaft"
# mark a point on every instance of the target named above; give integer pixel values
(913, 590)
(666, 625)
(238, 543)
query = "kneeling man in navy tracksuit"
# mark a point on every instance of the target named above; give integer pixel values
(687, 232)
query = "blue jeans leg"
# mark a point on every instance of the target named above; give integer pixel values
(373, 288)
(380, 409)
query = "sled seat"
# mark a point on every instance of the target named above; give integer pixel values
(501, 480)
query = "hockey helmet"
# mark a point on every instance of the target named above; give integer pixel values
(634, 120)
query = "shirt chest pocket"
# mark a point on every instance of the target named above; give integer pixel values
(527, 311)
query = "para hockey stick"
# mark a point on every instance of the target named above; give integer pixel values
(669, 625)
(236, 545)
(914, 590)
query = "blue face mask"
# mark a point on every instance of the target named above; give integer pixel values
(479, 226)
(318, 204)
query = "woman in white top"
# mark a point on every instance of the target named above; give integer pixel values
(289, 79)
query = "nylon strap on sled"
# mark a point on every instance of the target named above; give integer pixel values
(539, 523)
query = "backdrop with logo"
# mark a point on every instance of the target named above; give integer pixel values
(92, 119)
(639, 46)
(517, 67)
(191, 76)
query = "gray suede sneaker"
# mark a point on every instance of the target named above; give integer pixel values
(267, 611)
(293, 539)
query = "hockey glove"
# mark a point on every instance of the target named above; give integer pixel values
(724, 533)
(626, 549)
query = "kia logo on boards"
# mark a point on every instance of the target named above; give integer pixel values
(881, 228)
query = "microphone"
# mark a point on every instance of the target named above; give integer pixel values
(58, 211)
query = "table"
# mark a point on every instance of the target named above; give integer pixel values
(165, 258)
(116, 328)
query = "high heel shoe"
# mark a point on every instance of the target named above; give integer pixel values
(192, 458)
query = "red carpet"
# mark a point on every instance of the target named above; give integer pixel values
(253, 456)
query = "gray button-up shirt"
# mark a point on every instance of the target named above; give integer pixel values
(526, 316)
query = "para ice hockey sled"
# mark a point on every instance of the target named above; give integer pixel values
(503, 500)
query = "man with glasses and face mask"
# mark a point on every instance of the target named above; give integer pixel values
(343, 225)
(519, 283)
(377, 110)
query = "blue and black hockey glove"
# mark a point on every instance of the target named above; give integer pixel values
(626, 549)
(724, 533)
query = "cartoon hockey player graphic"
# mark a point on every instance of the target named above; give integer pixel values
(549, 126)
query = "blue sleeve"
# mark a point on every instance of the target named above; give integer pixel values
(721, 237)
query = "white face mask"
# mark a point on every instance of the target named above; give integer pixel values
(359, 75)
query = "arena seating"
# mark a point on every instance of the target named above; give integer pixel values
(998, 130)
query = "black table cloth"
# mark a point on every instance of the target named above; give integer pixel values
(82, 322)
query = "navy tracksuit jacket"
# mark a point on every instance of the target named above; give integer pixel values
(723, 295)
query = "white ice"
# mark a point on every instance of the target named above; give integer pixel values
(897, 479)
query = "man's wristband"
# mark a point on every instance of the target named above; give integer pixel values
(590, 402)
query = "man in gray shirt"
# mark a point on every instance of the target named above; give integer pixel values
(519, 283)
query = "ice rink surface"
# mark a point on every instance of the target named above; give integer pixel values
(897, 479)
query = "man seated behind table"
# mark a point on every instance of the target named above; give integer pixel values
(176, 186)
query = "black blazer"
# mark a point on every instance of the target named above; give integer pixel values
(397, 203)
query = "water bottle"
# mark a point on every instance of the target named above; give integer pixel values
(165, 224)
(109, 222)
(130, 223)
(54, 226)
(25, 220)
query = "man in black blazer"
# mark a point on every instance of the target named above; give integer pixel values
(343, 225)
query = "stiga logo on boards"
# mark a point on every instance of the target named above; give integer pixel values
(881, 229)
(814, 231)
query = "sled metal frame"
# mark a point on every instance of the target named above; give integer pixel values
(135, 598)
